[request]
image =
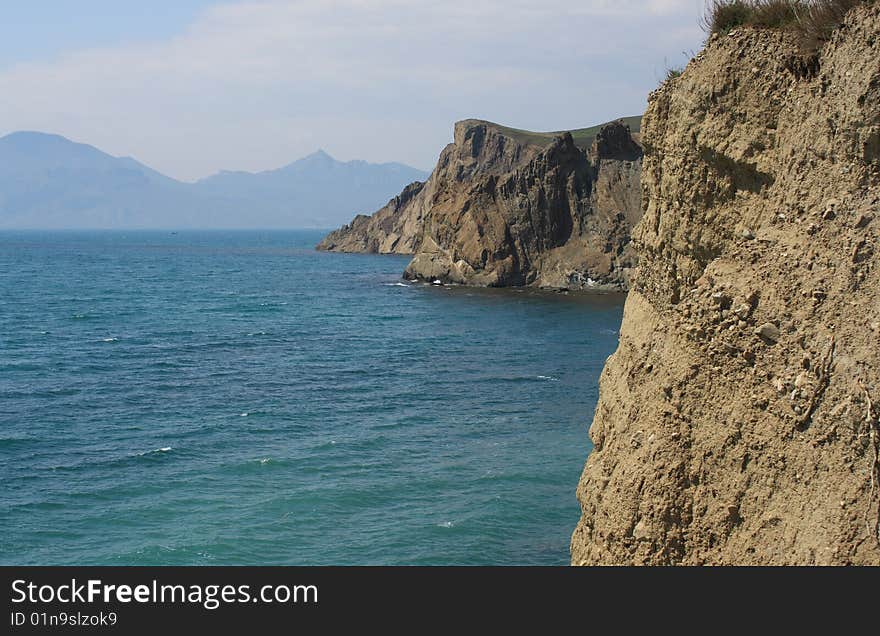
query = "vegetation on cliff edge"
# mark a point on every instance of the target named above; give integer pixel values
(583, 137)
(812, 20)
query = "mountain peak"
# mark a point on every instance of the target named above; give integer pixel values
(34, 138)
(319, 154)
(50, 181)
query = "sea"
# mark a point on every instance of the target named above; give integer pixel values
(238, 398)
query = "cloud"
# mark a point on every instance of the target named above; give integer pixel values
(253, 85)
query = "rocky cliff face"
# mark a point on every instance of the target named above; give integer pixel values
(738, 419)
(506, 207)
(394, 229)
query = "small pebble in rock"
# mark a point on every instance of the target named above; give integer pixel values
(768, 331)
(863, 220)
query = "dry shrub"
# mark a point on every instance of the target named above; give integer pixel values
(812, 20)
(725, 15)
(821, 18)
(775, 14)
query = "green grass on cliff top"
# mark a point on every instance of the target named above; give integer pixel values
(583, 137)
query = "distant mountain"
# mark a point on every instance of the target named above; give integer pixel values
(316, 188)
(47, 181)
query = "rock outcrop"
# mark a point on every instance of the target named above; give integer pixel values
(394, 229)
(505, 207)
(738, 418)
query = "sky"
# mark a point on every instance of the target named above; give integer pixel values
(190, 87)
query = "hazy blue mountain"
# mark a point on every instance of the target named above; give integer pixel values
(316, 188)
(49, 181)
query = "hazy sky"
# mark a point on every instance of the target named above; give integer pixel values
(194, 86)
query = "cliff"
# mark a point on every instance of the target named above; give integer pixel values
(510, 207)
(395, 229)
(738, 418)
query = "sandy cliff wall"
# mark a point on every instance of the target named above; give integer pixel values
(506, 207)
(737, 421)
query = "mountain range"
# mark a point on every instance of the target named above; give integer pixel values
(48, 181)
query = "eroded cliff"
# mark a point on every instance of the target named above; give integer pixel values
(507, 207)
(395, 229)
(738, 418)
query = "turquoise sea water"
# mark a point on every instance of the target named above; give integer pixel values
(238, 398)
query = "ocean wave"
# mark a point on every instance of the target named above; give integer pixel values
(549, 378)
(42, 393)
(21, 366)
(6, 442)
(108, 460)
(164, 449)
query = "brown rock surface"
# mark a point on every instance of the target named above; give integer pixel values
(394, 229)
(509, 207)
(507, 212)
(738, 418)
